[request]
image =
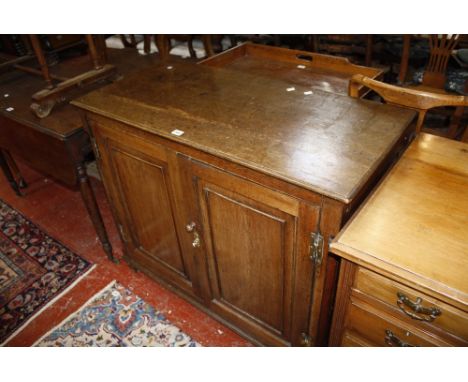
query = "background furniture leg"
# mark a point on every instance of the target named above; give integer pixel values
(369, 49)
(101, 48)
(36, 44)
(147, 43)
(465, 135)
(7, 171)
(14, 169)
(208, 45)
(192, 52)
(404, 58)
(93, 51)
(163, 44)
(455, 122)
(89, 200)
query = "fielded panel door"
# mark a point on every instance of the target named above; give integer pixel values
(138, 176)
(255, 241)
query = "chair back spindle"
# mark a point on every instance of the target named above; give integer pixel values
(440, 51)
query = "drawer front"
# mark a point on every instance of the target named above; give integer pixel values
(351, 339)
(421, 309)
(369, 325)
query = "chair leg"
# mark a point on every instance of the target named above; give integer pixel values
(192, 52)
(147, 43)
(208, 45)
(7, 171)
(369, 49)
(36, 44)
(464, 138)
(404, 58)
(164, 47)
(455, 122)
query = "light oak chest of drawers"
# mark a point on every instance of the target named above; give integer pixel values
(403, 278)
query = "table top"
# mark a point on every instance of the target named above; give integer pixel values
(312, 70)
(415, 224)
(64, 120)
(322, 141)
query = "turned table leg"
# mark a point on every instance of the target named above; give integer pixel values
(14, 169)
(89, 199)
(8, 174)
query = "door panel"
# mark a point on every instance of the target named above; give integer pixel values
(251, 247)
(137, 175)
(232, 223)
(149, 207)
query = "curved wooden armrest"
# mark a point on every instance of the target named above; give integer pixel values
(414, 99)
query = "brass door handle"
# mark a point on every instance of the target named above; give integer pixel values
(392, 340)
(425, 314)
(190, 228)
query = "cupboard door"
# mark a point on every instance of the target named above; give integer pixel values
(256, 246)
(138, 174)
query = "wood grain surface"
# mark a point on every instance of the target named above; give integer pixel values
(415, 225)
(313, 70)
(322, 141)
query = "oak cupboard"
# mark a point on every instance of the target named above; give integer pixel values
(412, 291)
(150, 205)
(227, 188)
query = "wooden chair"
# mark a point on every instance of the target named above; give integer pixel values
(436, 69)
(440, 50)
(419, 100)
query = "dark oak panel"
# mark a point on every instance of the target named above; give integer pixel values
(251, 247)
(260, 267)
(138, 181)
(149, 208)
(44, 152)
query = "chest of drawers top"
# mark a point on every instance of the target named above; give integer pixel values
(414, 227)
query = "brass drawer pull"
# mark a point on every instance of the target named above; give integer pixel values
(392, 340)
(430, 314)
(196, 237)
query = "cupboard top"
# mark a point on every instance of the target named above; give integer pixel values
(415, 225)
(314, 70)
(324, 142)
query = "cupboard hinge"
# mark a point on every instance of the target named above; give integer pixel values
(96, 148)
(122, 233)
(306, 340)
(316, 248)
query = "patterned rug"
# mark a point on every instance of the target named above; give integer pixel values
(35, 270)
(116, 317)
